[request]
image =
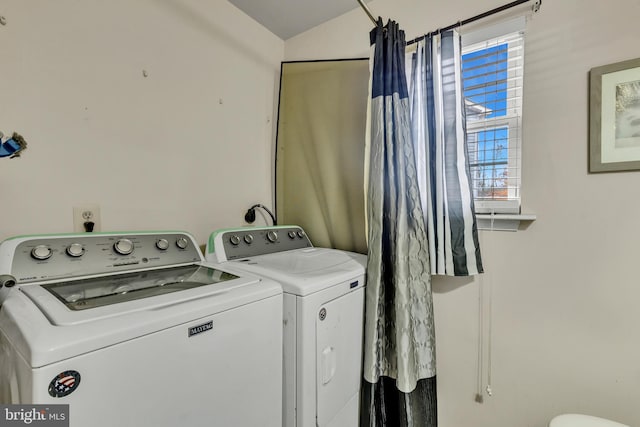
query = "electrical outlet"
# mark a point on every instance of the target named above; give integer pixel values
(86, 218)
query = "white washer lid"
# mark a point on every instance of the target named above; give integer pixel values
(305, 271)
(35, 332)
(578, 420)
(89, 299)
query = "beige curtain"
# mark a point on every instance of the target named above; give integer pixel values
(320, 151)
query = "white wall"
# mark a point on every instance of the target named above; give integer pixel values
(189, 147)
(566, 289)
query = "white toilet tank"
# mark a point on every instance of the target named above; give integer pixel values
(577, 420)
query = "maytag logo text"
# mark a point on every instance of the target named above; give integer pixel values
(200, 328)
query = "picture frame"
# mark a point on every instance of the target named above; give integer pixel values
(614, 117)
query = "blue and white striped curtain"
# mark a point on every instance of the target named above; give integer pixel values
(420, 219)
(438, 132)
(399, 386)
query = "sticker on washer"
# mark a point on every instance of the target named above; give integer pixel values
(64, 384)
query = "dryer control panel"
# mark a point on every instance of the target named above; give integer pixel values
(36, 258)
(253, 241)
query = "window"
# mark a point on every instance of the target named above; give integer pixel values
(492, 69)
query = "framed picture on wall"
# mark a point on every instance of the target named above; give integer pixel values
(614, 117)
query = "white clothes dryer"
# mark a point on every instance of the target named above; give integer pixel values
(323, 317)
(135, 329)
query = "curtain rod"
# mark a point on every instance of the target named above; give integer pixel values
(368, 12)
(536, 7)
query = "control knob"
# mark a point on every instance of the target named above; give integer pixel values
(41, 252)
(182, 243)
(272, 236)
(75, 250)
(248, 238)
(162, 244)
(292, 234)
(234, 240)
(123, 246)
(300, 234)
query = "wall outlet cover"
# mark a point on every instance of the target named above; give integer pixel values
(86, 218)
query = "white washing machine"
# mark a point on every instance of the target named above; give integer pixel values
(323, 317)
(135, 329)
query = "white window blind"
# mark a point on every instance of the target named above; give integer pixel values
(492, 70)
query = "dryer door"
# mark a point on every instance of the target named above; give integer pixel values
(339, 360)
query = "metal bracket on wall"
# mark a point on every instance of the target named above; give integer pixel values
(536, 6)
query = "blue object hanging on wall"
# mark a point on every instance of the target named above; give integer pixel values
(13, 146)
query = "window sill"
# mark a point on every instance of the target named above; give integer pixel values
(503, 222)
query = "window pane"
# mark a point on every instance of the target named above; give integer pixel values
(492, 70)
(489, 161)
(492, 86)
(484, 74)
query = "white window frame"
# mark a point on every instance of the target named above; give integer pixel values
(477, 40)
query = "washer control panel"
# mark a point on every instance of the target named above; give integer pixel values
(252, 241)
(65, 256)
